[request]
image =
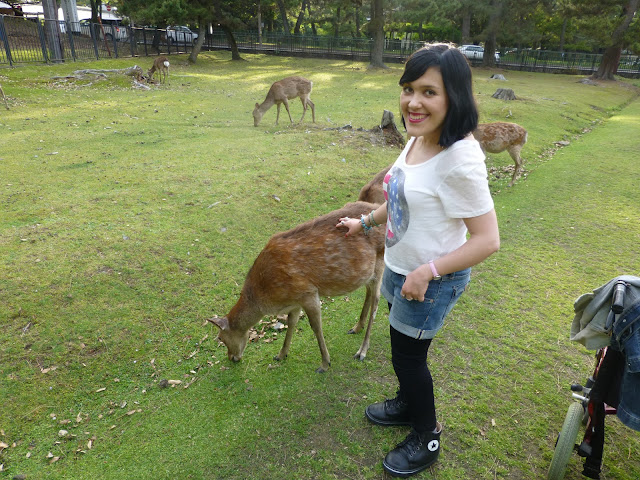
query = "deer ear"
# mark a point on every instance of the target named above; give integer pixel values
(221, 322)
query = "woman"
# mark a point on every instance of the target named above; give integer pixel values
(440, 221)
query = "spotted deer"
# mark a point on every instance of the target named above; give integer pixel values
(160, 65)
(500, 136)
(280, 93)
(296, 268)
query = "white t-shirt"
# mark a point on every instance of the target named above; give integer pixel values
(427, 203)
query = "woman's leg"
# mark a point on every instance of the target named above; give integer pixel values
(409, 358)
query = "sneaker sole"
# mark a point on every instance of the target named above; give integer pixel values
(384, 423)
(406, 473)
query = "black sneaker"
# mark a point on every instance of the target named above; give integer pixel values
(389, 412)
(414, 454)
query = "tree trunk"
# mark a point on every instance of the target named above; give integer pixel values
(52, 29)
(376, 27)
(296, 29)
(611, 58)
(489, 59)
(283, 14)
(313, 25)
(466, 26)
(235, 53)
(563, 33)
(197, 47)
(336, 23)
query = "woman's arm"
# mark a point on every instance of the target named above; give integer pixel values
(484, 240)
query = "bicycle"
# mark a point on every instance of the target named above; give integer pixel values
(597, 399)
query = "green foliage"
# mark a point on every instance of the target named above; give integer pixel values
(131, 216)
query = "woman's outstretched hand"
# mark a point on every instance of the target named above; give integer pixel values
(353, 225)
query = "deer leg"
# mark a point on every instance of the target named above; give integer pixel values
(304, 108)
(313, 109)
(286, 105)
(373, 299)
(4, 97)
(292, 321)
(312, 308)
(514, 151)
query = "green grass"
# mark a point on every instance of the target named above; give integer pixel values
(128, 217)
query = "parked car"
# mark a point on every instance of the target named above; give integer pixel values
(180, 34)
(112, 29)
(475, 52)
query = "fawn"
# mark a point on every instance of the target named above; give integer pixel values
(160, 65)
(500, 136)
(283, 91)
(299, 266)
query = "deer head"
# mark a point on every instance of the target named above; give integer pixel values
(235, 340)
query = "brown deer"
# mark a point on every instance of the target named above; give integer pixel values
(283, 91)
(296, 268)
(500, 136)
(160, 65)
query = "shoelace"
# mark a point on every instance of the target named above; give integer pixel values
(411, 444)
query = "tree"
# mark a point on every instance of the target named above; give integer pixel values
(376, 30)
(611, 58)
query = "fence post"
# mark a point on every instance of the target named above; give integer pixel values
(43, 42)
(5, 40)
(94, 39)
(71, 44)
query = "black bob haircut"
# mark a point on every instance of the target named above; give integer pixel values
(462, 116)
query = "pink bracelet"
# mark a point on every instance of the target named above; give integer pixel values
(436, 275)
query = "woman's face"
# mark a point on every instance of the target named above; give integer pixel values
(424, 104)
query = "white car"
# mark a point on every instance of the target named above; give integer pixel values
(475, 52)
(181, 34)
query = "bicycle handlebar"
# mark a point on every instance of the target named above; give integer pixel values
(617, 305)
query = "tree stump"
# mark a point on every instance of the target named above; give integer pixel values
(498, 76)
(504, 94)
(390, 132)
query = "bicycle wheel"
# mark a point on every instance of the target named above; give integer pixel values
(566, 442)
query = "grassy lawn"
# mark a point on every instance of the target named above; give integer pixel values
(128, 217)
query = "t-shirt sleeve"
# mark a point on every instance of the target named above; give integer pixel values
(464, 191)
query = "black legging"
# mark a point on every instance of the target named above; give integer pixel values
(409, 358)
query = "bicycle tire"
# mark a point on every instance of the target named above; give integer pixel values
(566, 442)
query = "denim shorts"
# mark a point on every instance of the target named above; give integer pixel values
(422, 320)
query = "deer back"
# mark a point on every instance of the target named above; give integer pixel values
(498, 136)
(290, 87)
(314, 258)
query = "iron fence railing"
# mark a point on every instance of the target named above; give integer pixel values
(24, 40)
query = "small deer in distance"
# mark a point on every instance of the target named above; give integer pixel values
(299, 266)
(280, 93)
(500, 136)
(160, 65)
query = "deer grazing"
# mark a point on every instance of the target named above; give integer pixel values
(299, 266)
(500, 136)
(283, 91)
(160, 65)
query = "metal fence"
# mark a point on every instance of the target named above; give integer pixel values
(30, 39)
(25, 40)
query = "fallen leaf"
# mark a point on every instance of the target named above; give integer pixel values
(101, 389)
(174, 382)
